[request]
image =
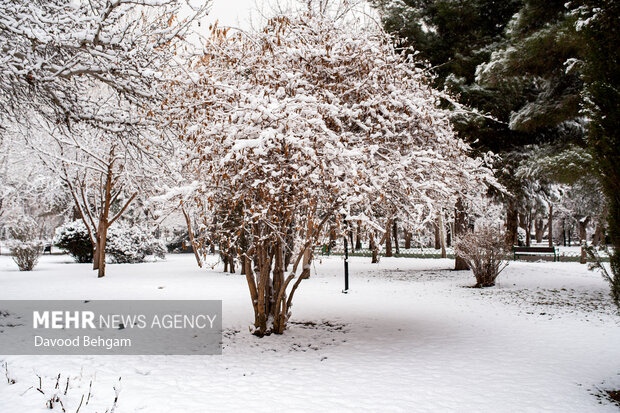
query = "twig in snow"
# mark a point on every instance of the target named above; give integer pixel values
(6, 373)
(89, 389)
(78, 409)
(117, 391)
(40, 385)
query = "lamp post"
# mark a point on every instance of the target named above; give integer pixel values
(346, 265)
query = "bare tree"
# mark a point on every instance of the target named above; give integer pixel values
(90, 76)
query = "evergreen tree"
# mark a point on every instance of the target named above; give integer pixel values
(519, 61)
(598, 23)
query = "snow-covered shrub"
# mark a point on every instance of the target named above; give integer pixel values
(25, 246)
(125, 243)
(26, 254)
(131, 244)
(484, 250)
(73, 237)
(612, 276)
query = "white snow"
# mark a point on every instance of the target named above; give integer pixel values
(408, 337)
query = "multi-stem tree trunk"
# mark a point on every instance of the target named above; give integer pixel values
(268, 287)
(460, 228)
(267, 283)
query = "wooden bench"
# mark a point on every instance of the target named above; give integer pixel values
(533, 251)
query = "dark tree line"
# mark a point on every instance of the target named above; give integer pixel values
(545, 71)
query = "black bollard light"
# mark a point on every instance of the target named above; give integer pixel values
(346, 265)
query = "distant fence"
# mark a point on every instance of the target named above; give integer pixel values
(562, 256)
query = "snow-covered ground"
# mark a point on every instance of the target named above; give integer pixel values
(408, 337)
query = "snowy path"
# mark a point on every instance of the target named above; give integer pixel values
(409, 337)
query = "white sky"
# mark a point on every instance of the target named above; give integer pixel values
(241, 13)
(233, 12)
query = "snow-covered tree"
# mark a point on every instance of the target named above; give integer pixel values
(103, 172)
(85, 79)
(312, 120)
(28, 190)
(87, 61)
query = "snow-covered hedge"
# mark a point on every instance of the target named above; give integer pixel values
(125, 243)
(131, 244)
(73, 237)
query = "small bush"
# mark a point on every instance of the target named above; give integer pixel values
(73, 237)
(26, 254)
(25, 247)
(484, 250)
(132, 244)
(612, 276)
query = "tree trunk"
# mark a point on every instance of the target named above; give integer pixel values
(539, 228)
(332, 240)
(373, 248)
(460, 227)
(99, 259)
(358, 236)
(388, 239)
(102, 228)
(407, 240)
(525, 223)
(442, 235)
(583, 225)
(190, 232)
(98, 233)
(512, 224)
(268, 288)
(350, 234)
(564, 232)
(437, 237)
(550, 224)
(231, 258)
(395, 233)
(599, 234)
